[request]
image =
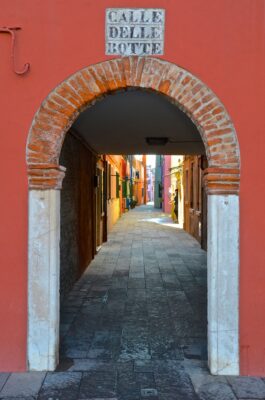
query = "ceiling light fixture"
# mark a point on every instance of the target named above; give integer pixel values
(156, 141)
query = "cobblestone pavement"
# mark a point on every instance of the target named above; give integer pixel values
(134, 326)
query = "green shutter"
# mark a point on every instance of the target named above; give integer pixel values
(117, 185)
(124, 188)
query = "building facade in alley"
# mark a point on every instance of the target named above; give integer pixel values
(183, 193)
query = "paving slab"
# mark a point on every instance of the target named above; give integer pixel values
(98, 385)
(60, 385)
(248, 387)
(85, 364)
(3, 378)
(216, 391)
(23, 384)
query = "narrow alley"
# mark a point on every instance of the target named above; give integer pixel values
(142, 298)
(135, 325)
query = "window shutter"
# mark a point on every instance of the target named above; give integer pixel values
(117, 185)
(124, 188)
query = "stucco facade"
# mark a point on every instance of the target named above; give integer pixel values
(221, 43)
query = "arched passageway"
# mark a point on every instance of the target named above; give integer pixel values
(55, 116)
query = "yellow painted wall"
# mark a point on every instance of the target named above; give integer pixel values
(113, 212)
(177, 161)
(114, 205)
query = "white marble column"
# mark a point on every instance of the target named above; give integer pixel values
(223, 284)
(43, 279)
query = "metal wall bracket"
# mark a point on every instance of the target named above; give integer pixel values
(12, 32)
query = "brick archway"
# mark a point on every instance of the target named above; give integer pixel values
(55, 116)
(63, 105)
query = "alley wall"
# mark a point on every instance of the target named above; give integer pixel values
(77, 244)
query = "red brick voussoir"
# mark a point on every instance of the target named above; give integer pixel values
(63, 105)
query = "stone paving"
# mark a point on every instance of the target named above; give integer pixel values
(134, 326)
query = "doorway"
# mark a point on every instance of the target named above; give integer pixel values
(208, 114)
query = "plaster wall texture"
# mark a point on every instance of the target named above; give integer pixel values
(221, 42)
(113, 212)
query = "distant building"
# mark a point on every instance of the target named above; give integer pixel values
(139, 179)
(183, 194)
(158, 182)
(150, 174)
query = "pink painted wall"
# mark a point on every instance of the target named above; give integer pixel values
(166, 185)
(222, 42)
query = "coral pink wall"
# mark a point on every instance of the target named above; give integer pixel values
(222, 42)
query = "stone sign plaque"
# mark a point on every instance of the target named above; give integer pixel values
(135, 31)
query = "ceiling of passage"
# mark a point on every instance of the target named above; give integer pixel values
(120, 123)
